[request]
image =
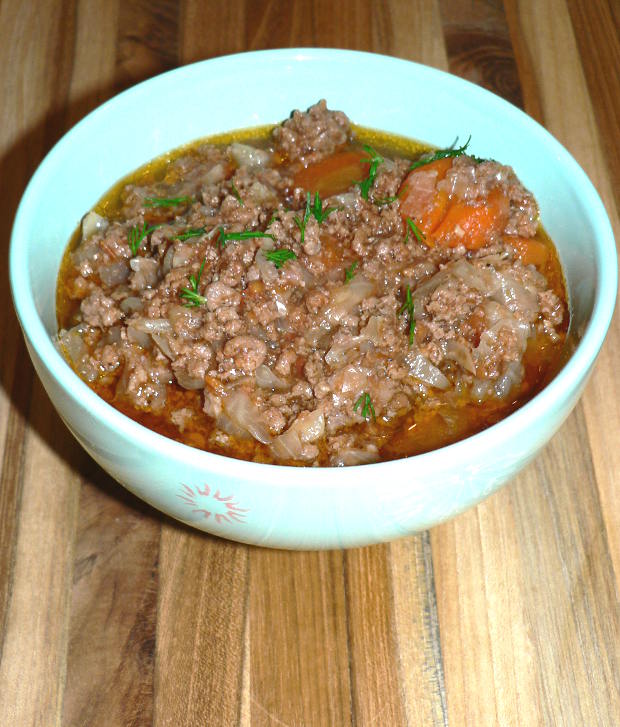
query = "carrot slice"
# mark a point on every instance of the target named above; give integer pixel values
(529, 250)
(471, 225)
(419, 198)
(334, 174)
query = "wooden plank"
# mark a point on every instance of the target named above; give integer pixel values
(203, 595)
(32, 103)
(568, 114)
(568, 589)
(207, 30)
(416, 631)
(110, 659)
(490, 671)
(376, 688)
(479, 46)
(299, 657)
(147, 40)
(591, 22)
(32, 665)
(38, 489)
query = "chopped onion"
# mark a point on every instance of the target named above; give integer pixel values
(152, 325)
(421, 368)
(261, 194)
(146, 270)
(91, 223)
(516, 297)
(135, 335)
(268, 271)
(288, 445)
(249, 156)
(164, 346)
(182, 254)
(214, 175)
(189, 382)
(346, 297)
(460, 352)
(114, 273)
(308, 427)
(348, 200)
(245, 414)
(349, 457)
(512, 376)
(72, 343)
(132, 304)
(266, 379)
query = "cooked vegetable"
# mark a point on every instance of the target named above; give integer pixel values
(284, 347)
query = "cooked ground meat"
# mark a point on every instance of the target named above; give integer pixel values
(230, 302)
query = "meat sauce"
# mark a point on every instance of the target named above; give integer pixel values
(314, 294)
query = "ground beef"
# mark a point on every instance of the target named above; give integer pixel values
(310, 335)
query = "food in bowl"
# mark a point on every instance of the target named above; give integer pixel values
(314, 294)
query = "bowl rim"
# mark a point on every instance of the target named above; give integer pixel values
(569, 378)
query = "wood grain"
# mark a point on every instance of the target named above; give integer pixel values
(110, 614)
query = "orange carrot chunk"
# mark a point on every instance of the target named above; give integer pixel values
(334, 174)
(529, 250)
(473, 225)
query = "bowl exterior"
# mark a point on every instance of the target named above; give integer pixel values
(305, 507)
(273, 506)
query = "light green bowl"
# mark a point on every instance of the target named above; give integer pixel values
(285, 506)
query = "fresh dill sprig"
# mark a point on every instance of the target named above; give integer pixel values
(366, 403)
(191, 294)
(314, 208)
(166, 201)
(301, 223)
(225, 237)
(317, 209)
(136, 236)
(407, 307)
(349, 273)
(192, 232)
(236, 194)
(279, 257)
(411, 225)
(374, 160)
(451, 151)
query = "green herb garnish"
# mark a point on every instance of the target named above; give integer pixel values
(192, 232)
(411, 225)
(191, 294)
(451, 151)
(279, 257)
(236, 194)
(367, 408)
(301, 223)
(225, 237)
(349, 273)
(374, 160)
(407, 307)
(137, 234)
(317, 209)
(166, 201)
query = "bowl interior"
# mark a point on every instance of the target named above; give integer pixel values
(259, 88)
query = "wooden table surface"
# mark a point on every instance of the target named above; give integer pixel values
(112, 614)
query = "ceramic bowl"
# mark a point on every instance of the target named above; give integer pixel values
(283, 506)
